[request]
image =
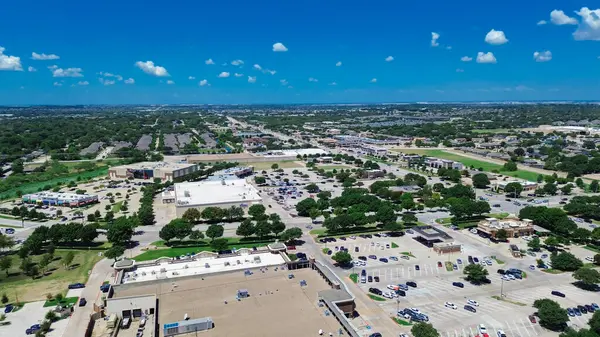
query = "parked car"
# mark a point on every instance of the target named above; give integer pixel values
(458, 284)
(370, 278)
(582, 309)
(384, 260)
(571, 312)
(470, 308)
(373, 257)
(376, 278)
(417, 267)
(76, 285)
(500, 333)
(557, 293)
(375, 291)
(473, 303)
(411, 284)
(532, 319)
(450, 305)
(82, 302)
(501, 271)
(8, 308)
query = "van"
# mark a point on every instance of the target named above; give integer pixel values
(458, 284)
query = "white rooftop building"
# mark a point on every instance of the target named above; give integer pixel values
(220, 193)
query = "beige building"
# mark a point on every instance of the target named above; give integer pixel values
(150, 170)
(513, 226)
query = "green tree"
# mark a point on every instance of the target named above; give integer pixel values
(509, 166)
(589, 277)
(303, 207)
(314, 213)
(409, 218)
(5, 264)
(196, 235)
(324, 195)
(191, 215)
(475, 273)
(342, 258)
(275, 166)
(501, 234)
(68, 259)
(45, 262)
(566, 189)
(550, 189)
(219, 244)
(88, 233)
(291, 234)
(534, 244)
(597, 259)
(262, 229)
(260, 180)
(421, 329)
(551, 241)
(245, 229)
(236, 213)
(120, 232)
(312, 188)
(480, 180)
(114, 252)
(513, 189)
(565, 261)
(257, 211)
(277, 227)
(594, 322)
(214, 231)
(540, 178)
(594, 186)
(4, 299)
(551, 315)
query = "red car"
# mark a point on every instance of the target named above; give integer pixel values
(532, 319)
(439, 264)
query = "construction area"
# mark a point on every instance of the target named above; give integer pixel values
(269, 301)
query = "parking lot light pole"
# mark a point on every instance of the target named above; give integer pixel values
(502, 289)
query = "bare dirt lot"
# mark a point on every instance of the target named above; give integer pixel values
(277, 305)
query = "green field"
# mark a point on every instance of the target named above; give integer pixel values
(486, 166)
(55, 281)
(491, 131)
(34, 187)
(333, 167)
(117, 206)
(267, 165)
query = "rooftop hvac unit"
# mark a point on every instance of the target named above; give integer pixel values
(186, 194)
(223, 182)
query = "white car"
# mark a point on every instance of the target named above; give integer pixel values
(402, 335)
(505, 278)
(391, 287)
(473, 303)
(482, 329)
(589, 258)
(387, 294)
(450, 305)
(512, 278)
(474, 231)
(500, 333)
(415, 310)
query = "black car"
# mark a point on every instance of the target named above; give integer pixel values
(76, 285)
(470, 259)
(417, 267)
(582, 309)
(470, 308)
(377, 334)
(557, 293)
(401, 292)
(370, 278)
(343, 238)
(373, 257)
(356, 249)
(82, 302)
(363, 273)
(368, 236)
(362, 258)
(375, 291)
(501, 271)
(476, 260)
(384, 260)
(589, 308)
(411, 284)
(458, 284)
(376, 278)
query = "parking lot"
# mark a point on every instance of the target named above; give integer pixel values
(31, 313)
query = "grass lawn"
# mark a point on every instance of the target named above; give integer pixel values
(117, 206)
(55, 281)
(407, 254)
(498, 261)
(593, 249)
(10, 226)
(354, 278)
(66, 301)
(333, 167)
(552, 271)
(200, 246)
(325, 250)
(486, 166)
(401, 321)
(33, 187)
(267, 165)
(509, 301)
(394, 245)
(449, 266)
(376, 298)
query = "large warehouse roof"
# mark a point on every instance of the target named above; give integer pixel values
(152, 165)
(215, 192)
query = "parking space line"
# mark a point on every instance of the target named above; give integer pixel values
(509, 327)
(519, 330)
(472, 334)
(464, 332)
(438, 270)
(530, 325)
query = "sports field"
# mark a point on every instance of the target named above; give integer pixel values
(486, 166)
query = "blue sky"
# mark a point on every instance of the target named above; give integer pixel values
(133, 51)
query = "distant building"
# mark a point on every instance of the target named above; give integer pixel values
(374, 150)
(405, 189)
(150, 170)
(371, 174)
(325, 160)
(513, 226)
(443, 163)
(59, 199)
(334, 131)
(527, 185)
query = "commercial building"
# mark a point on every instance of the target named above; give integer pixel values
(59, 199)
(232, 173)
(527, 185)
(151, 170)
(374, 150)
(513, 226)
(428, 235)
(219, 193)
(443, 163)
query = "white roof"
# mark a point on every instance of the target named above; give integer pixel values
(215, 192)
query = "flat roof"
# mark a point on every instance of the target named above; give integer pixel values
(429, 232)
(59, 195)
(153, 165)
(215, 192)
(197, 266)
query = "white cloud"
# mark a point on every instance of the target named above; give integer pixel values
(279, 47)
(31, 69)
(290, 87)
(43, 57)
(559, 17)
(448, 47)
(338, 64)
(209, 61)
(460, 70)
(496, 37)
(542, 22)
(312, 79)
(434, 37)
(129, 81)
(283, 82)
(52, 67)
(224, 74)
(191, 78)
(237, 62)
(118, 77)
(83, 83)
(389, 58)
(544, 56)
(149, 68)
(170, 82)
(257, 67)
(57, 84)
(466, 59)
(69, 72)
(8, 62)
(589, 28)
(238, 75)
(106, 82)
(373, 80)
(332, 83)
(203, 83)
(486, 57)
(272, 72)
(251, 79)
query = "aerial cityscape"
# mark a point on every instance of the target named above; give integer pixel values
(299, 169)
